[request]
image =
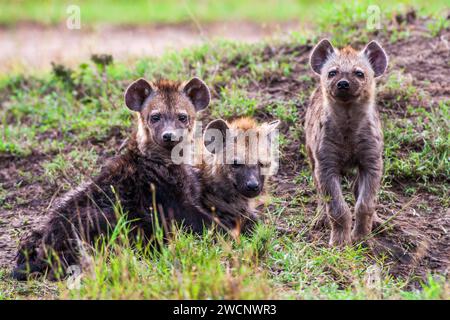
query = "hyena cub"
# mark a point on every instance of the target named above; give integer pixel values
(238, 158)
(143, 178)
(343, 131)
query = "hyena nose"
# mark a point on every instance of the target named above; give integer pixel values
(252, 186)
(167, 136)
(343, 85)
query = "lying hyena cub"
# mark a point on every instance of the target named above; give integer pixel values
(143, 177)
(234, 170)
(343, 130)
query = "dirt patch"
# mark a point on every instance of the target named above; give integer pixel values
(26, 197)
(35, 46)
(427, 60)
(416, 239)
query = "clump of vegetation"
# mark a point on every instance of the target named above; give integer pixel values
(263, 265)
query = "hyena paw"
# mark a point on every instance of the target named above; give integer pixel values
(362, 231)
(377, 222)
(340, 238)
(359, 234)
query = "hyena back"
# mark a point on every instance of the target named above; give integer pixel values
(343, 131)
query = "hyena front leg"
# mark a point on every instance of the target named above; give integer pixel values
(321, 218)
(337, 210)
(376, 221)
(368, 182)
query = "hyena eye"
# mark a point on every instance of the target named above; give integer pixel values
(236, 164)
(155, 117)
(359, 74)
(332, 73)
(264, 164)
(183, 118)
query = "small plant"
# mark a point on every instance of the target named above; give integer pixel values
(235, 102)
(64, 74)
(71, 167)
(102, 60)
(286, 112)
(437, 25)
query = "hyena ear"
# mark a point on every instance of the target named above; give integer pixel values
(377, 57)
(198, 93)
(272, 125)
(320, 54)
(137, 93)
(215, 136)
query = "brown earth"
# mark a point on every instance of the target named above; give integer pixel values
(33, 47)
(416, 240)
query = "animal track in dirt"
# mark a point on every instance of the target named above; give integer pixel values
(416, 239)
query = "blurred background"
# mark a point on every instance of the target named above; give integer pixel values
(35, 33)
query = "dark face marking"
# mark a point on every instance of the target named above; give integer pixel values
(166, 126)
(247, 179)
(244, 173)
(348, 75)
(346, 82)
(167, 108)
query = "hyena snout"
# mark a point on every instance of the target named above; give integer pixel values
(249, 185)
(168, 136)
(252, 185)
(343, 85)
(344, 89)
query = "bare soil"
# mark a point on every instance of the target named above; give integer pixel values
(417, 237)
(33, 46)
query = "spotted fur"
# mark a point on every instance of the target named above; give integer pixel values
(142, 181)
(343, 131)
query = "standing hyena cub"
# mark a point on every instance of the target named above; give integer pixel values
(343, 131)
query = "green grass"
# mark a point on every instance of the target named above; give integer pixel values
(425, 153)
(61, 167)
(153, 11)
(263, 265)
(70, 115)
(173, 11)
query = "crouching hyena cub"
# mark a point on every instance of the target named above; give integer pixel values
(238, 158)
(343, 130)
(144, 179)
